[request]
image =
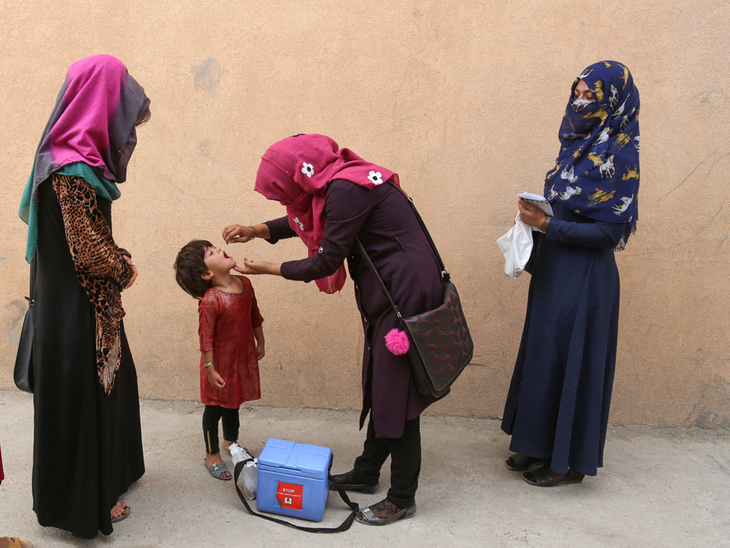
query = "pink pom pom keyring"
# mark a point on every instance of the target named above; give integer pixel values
(397, 342)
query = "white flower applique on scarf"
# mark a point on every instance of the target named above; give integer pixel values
(307, 169)
(299, 223)
(376, 177)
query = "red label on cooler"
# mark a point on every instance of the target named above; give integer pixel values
(289, 495)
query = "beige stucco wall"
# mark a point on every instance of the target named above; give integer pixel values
(463, 99)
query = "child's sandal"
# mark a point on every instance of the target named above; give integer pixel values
(217, 470)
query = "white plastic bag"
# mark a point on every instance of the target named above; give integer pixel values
(516, 247)
(250, 469)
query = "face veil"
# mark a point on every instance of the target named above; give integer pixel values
(597, 171)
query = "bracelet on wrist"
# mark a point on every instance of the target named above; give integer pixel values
(207, 365)
(254, 232)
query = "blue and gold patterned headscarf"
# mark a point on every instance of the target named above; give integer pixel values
(597, 171)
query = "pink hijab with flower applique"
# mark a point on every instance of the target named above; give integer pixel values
(295, 172)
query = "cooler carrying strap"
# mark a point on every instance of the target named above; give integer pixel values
(343, 527)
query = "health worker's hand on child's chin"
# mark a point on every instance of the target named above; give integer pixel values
(256, 267)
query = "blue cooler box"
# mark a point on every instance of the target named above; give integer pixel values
(292, 479)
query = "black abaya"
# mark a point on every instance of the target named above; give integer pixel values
(87, 445)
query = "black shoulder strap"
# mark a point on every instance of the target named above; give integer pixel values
(371, 266)
(361, 250)
(425, 231)
(343, 527)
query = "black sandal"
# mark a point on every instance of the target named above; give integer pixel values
(545, 477)
(523, 463)
(125, 513)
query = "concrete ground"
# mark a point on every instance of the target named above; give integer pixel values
(659, 487)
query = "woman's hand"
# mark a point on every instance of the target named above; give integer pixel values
(215, 380)
(531, 215)
(134, 272)
(258, 267)
(238, 234)
(260, 350)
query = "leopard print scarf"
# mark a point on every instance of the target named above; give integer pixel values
(100, 266)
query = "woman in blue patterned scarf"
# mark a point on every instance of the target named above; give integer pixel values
(559, 398)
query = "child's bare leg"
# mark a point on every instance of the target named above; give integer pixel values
(227, 445)
(213, 458)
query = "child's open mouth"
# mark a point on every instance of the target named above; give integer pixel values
(226, 255)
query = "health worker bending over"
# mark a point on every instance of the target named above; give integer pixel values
(333, 196)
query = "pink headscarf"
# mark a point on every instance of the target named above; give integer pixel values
(93, 121)
(295, 172)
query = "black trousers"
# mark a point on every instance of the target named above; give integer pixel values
(231, 424)
(405, 463)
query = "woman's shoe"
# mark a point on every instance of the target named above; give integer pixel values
(523, 463)
(125, 513)
(384, 512)
(348, 483)
(545, 477)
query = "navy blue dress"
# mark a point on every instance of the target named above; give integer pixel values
(559, 398)
(384, 222)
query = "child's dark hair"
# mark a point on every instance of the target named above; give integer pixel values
(190, 268)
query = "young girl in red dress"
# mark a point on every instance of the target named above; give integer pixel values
(231, 343)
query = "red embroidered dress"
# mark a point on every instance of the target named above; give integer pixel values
(227, 321)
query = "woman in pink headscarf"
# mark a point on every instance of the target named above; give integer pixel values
(332, 196)
(87, 437)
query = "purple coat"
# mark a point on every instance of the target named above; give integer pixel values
(384, 222)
